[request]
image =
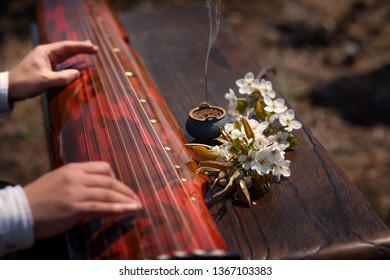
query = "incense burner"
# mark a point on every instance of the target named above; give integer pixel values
(203, 121)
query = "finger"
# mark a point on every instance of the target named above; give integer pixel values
(102, 209)
(94, 167)
(63, 50)
(106, 195)
(106, 182)
(62, 78)
(98, 174)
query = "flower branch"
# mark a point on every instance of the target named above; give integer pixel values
(253, 145)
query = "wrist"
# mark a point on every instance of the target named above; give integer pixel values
(14, 87)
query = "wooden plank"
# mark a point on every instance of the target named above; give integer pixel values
(315, 213)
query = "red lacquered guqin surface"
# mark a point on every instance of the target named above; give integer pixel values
(114, 113)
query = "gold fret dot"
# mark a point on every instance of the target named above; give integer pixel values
(177, 166)
(153, 121)
(142, 100)
(129, 74)
(193, 198)
(184, 179)
(167, 148)
(116, 50)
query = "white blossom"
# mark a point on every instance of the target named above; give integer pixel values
(281, 167)
(229, 127)
(247, 160)
(275, 153)
(262, 152)
(273, 118)
(257, 127)
(276, 106)
(236, 133)
(232, 98)
(288, 121)
(261, 162)
(281, 139)
(223, 151)
(248, 84)
(265, 89)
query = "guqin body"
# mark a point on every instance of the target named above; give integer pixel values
(115, 113)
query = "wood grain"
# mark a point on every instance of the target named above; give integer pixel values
(315, 213)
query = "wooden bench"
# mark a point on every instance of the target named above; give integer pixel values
(317, 213)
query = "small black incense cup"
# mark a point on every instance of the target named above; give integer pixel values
(202, 121)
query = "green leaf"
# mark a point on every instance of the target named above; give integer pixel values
(215, 164)
(234, 150)
(224, 135)
(248, 128)
(239, 147)
(260, 113)
(237, 125)
(220, 139)
(243, 192)
(206, 170)
(202, 152)
(241, 105)
(229, 186)
(292, 141)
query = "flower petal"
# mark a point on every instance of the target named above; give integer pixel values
(249, 77)
(240, 82)
(291, 113)
(296, 124)
(268, 101)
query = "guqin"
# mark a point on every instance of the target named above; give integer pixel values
(115, 113)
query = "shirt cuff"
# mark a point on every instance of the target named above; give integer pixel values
(5, 106)
(16, 223)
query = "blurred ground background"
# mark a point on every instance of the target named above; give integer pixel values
(333, 65)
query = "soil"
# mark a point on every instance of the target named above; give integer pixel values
(333, 65)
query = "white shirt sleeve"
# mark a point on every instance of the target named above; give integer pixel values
(16, 223)
(5, 106)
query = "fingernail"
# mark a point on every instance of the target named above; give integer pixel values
(134, 206)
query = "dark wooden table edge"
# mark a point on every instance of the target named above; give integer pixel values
(366, 249)
(378, 248)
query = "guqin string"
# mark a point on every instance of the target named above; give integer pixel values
(91, 34)
(103, 40)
